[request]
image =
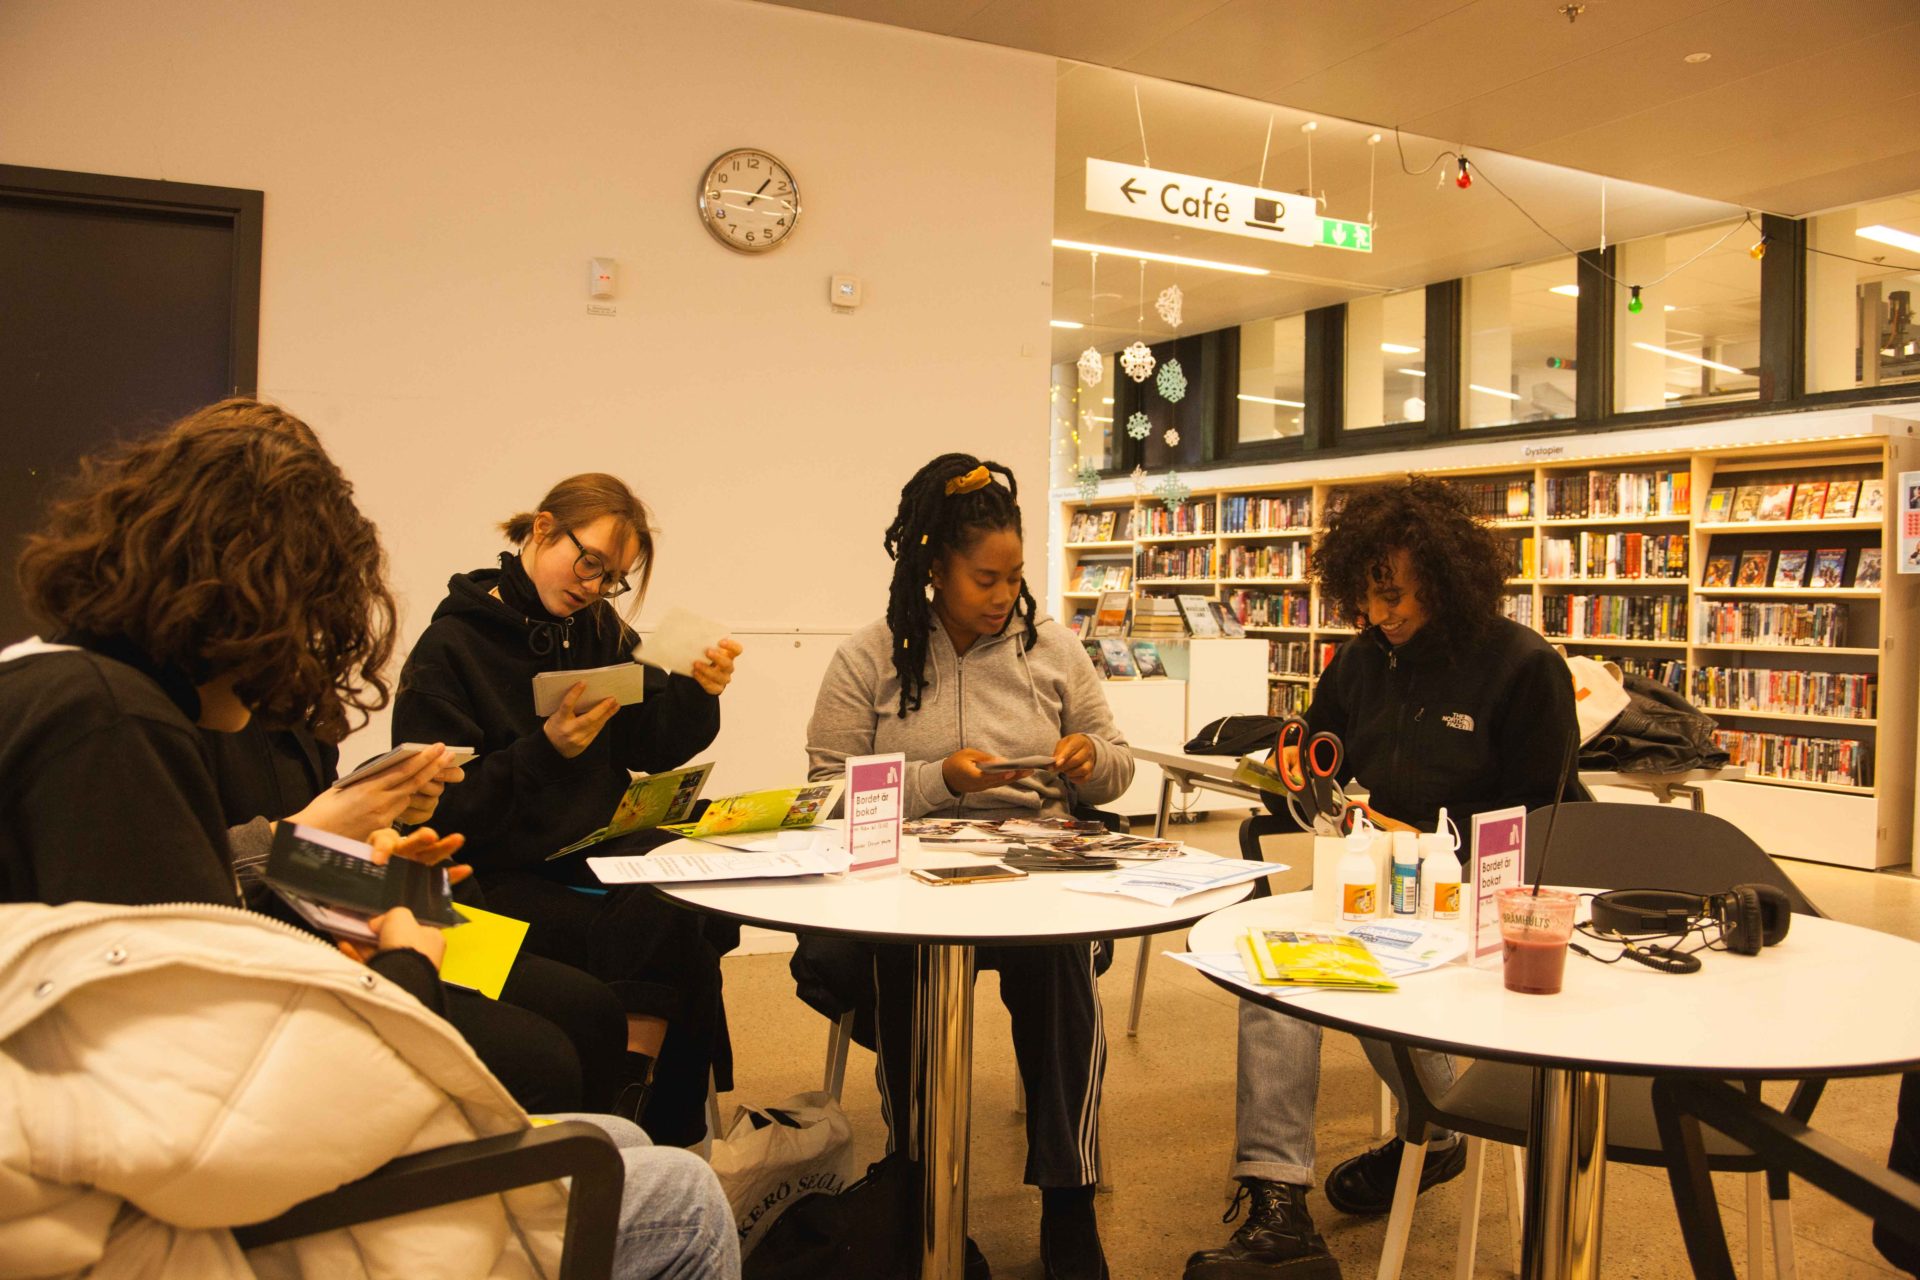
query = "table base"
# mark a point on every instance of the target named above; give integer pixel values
(942, 1121)
(1566, 1175)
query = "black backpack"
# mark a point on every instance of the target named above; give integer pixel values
(870, 1231)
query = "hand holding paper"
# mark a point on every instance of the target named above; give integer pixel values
(681, 639)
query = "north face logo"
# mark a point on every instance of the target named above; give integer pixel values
(1458, 720)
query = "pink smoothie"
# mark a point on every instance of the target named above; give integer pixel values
(1535, 966)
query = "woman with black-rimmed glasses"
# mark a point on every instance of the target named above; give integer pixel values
(541, 783)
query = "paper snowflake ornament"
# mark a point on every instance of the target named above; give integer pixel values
(1092, 367)
(1172, 381)
(1173, 436)
(1138, 427)
(1139, 478)
(1087, 476)
(1168, 305)
(1137, 361)
(1173, 490)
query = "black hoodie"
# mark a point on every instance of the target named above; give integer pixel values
(469, 683)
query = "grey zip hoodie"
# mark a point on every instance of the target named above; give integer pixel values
(999, 697)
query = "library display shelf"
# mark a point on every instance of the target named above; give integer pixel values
(1664, 502)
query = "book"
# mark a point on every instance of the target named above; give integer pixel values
(1746, 501)
(1791, 569)
(1146, 656)
(1719, 572)
(1776, 502)
(336, 885)
(1298, 958)
(624, 682)
(1873, 499)
(1867, 572)
(1830, 567)
(1093, 655)
(1082, 623)
(1842, 495)
(1809, 500)
(1229, 623)
(1753, 568)
(1116, 660)
(782, 809)
(1107, 520)
(1110, 619)
(652, 800)
(1719, 505)
(1200, 620)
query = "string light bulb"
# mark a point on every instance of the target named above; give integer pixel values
(1759, 249)
(1465, 179)
(1634, 304)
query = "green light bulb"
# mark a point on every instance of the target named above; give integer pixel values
(1633, 303)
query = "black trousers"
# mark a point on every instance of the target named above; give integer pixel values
(1904, 1158)
(658, 961)
(1059, 1041)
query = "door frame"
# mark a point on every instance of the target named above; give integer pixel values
(240, 209)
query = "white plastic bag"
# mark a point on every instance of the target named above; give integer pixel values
(773, 1156)
(1598, 696)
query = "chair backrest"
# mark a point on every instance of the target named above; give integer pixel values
(1603, 845)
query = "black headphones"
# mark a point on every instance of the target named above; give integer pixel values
(1750, 916)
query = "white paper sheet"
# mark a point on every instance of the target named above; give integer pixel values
(624, 682)
(681, 639)
(1165, 882)
(694, 868)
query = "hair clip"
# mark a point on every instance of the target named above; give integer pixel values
(974, 479)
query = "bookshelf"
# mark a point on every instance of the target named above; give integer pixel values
(1814, 686)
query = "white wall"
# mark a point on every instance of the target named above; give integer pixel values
(437, 175)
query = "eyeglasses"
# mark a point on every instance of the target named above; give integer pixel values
(588, 566)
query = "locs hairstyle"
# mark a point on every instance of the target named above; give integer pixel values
(227, 543)
(1457, 558)
(929, 524)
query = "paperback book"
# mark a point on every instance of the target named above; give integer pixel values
(1116, 660)
(1111, 617)
(1200, 619)
(1146, 657)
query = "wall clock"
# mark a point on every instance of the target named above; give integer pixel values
(749, 201)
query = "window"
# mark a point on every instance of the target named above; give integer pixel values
(1860, 321)
(1082, 421)
(1273, 379)
(1517, 344)
(1386, 360)
(1694, 337)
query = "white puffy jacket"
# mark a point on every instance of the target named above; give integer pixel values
(167, 1072)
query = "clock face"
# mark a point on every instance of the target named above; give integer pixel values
(749, 201)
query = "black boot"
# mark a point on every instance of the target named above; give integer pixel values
(631, 1103)
(1069, 1235)
(1363, 1185)
(1276, 1242)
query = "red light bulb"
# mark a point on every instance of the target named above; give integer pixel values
(1465, 179)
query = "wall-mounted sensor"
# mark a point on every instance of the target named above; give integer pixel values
(601, 277)
(844, 292)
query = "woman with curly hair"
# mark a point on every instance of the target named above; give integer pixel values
(1441, 703)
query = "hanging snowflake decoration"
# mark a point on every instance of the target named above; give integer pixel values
(1087, 476)
(1139, 478)
(1173, 490)
(1168, 305)
(1173, 436)
(1138, 427)
(1092, 367)
(1137, 361)
(1172, 381)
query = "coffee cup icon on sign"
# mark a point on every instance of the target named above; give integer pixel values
(1267, 214)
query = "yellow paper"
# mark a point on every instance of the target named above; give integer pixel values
(481, 952)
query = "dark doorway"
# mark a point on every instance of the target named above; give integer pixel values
(123, 304)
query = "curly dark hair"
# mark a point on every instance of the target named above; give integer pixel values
(226, 544)
(1458, 560)
(930, 523)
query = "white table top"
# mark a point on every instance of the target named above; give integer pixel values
(1221, 768)
(894, 907)
(1172, 756)
(1830, 999)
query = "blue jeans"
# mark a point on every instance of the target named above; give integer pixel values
(1278, 1088)
(675, 1223)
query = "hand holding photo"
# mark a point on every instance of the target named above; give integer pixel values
(680, 639)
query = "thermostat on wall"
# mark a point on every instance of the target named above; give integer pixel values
(844, 292)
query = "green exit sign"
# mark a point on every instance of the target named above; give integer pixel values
(1336, 234)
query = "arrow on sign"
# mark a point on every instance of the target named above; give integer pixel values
(1130, 191)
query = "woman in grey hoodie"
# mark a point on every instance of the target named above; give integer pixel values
(963, 672)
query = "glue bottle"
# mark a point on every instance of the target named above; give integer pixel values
(1406, 873)
(1439, 872)
(1359, 875)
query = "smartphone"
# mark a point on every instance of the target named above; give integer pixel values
(965, 875)
(456, 757)
(1018, 762)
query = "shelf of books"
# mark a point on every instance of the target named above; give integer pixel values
(1748, 578)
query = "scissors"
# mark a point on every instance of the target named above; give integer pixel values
(1309, 767)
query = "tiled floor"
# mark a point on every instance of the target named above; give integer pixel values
(1169, 1120)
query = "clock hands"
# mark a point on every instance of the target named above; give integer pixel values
(756, 193)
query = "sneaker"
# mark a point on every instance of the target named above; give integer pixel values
(1070, 1235)
(1276, 1242)
(1363, 1185)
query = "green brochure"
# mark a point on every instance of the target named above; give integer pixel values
(784, 809)
(654, 800)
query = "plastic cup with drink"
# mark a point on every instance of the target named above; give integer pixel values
(1535, 927)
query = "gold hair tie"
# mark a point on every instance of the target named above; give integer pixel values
(974, 479)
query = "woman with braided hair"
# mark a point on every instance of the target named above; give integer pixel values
(964, 671)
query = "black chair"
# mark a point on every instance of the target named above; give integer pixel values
(1691, 1112)
(1607, 846)
(484, 1167)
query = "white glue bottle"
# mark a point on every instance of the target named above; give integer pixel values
(1359, 875)
(1439, 872)
(1405, 873)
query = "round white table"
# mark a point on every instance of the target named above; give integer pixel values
(945, 924)
(1830, 1000)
